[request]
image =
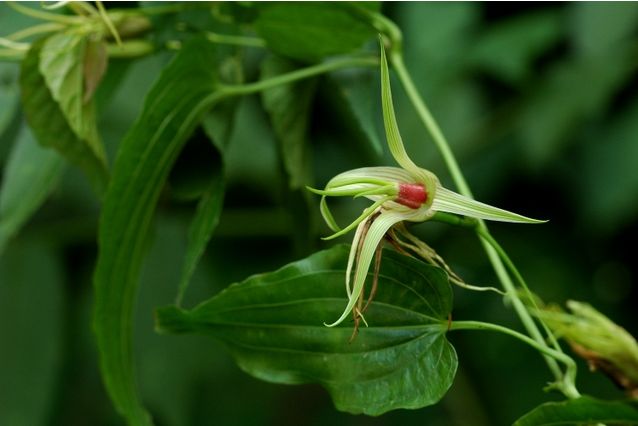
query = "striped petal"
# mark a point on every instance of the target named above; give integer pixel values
(450, 202)
(377, 230)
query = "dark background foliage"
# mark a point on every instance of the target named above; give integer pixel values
(540, 104)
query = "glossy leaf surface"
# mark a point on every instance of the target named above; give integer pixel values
(273, 325)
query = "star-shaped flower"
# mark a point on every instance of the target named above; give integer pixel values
(408, 193)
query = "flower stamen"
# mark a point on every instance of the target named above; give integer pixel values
(412, 195)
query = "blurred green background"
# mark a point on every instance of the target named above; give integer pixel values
(540, 104)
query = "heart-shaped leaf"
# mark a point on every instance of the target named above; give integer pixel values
(273, 325)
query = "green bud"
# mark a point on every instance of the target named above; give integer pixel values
(605, 345)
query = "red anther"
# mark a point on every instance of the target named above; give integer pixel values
(412, 195)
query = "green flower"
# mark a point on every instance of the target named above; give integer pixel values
(408, 193)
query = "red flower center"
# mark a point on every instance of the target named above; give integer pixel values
(412, 195)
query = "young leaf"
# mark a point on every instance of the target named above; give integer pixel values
(289, 109)
(584, 410)
(313, 30)
(31, 173)
(217, 125)
(74, 136)
(171, 111)
(273, 325)
(206, 218)
(94, 67)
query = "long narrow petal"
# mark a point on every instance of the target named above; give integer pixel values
(327, 215)
(378, 175)
(376, 232)
(395, 143)
(451, 202)
(353, 254)
(367, 212)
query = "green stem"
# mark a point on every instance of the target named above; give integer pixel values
(10, 55)
(109, 24)
(250, 88)
(566, 385)
(235, 40)
(34, 30)
(14, 45)
(483, 233)
(46, 16)
(130, 49)
(450, 161)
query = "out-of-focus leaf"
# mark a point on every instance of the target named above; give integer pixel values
(599, 27)
(31, 313)
(310, 31)
(171, 111)
(218, 125)
(8, 94)
(437, 39)
(31, 173)
(608, 185)
(508, 49)
(50, 124)
(573, 91)
(584, 410)
(272, 323)
(63, 61)
(354, 96)
(289, 109)
(206, 218)
(94, 66)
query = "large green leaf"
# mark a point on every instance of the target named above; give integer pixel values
(30, 175)
(310, 31)
(273, 325)
(171, 111)
(289, 109)
(584, 410)
(49, 115)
